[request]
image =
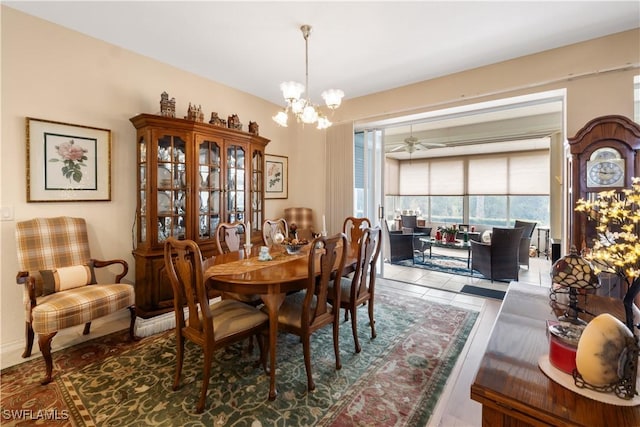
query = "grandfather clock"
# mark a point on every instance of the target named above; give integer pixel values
(605, 154)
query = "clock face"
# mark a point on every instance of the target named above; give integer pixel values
(605, 173)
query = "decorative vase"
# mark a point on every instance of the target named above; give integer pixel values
(450, 237)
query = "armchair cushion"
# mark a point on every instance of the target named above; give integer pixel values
(60, 310)
(64, 278)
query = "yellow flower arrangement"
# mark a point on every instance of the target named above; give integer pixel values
(617, 249)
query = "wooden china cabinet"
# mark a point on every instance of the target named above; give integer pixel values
(605, 154)
(191, 177)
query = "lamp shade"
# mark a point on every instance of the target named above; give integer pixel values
(572, 271)
(291, 90)
(333, 98)
(281, 118)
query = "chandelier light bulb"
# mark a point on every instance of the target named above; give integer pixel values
(297, 106)
(309, 115)
(323, 123)
(333, 98)
(302, 108)
(291, 90)
(281, 118)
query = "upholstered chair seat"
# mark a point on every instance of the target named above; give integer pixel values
(62, 310)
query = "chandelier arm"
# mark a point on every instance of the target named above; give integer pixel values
(305, 31)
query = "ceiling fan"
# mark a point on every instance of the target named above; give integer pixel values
(412, 144)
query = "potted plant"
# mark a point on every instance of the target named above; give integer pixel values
(449, 233)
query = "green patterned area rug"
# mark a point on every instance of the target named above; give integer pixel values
(396, 380)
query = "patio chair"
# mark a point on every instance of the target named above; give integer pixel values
(525, 241)
(398, 246)
(498, 260)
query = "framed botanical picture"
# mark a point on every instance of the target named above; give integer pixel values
(276, 178)
(67, 162)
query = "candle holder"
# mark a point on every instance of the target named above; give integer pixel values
(247, 250)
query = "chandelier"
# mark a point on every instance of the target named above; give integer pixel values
(302, 108)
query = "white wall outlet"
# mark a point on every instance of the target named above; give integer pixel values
(6, 213)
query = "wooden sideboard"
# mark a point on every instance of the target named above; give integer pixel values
(511, 387)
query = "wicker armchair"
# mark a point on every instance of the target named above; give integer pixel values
(498, 260)
(525, 241)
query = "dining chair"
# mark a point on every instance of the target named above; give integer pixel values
(228, 236)
(353, 227)
(210, 326)
(305, 312)
(272, 226)
(360, 289)
(60, 288)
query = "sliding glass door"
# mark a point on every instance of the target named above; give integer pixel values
(368, 179)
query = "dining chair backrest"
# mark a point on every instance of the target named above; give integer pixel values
(364, 278)
(353, 228)
(271, 227)
(228, 236)
(184, 266)
(359, 290)
(409, 221)
(332, 252)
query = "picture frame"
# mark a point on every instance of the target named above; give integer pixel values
(67, 162)
(276, 177)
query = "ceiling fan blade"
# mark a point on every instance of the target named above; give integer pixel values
(432, 144)
(398, 148)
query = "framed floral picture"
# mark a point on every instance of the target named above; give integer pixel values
(276, 177)
(67, 162)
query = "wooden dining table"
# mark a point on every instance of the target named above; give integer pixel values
(271, 280)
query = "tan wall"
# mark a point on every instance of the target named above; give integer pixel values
(52, 73)
(583, 69)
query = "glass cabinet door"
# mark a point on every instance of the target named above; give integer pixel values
(257, 182)
(235, 176)
(143, 188)
(171, 194)
(209, 188)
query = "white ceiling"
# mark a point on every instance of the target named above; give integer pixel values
(361, 47)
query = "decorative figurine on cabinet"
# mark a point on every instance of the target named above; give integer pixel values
(233, 122)
(216, 121)
(195, 113)
(167, 107)
(254, 128)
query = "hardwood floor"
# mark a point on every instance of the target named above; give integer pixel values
(455, 407)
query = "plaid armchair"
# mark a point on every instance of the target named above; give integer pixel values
(60, 290)
(303, 219)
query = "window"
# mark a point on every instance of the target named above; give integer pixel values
(492, 189)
